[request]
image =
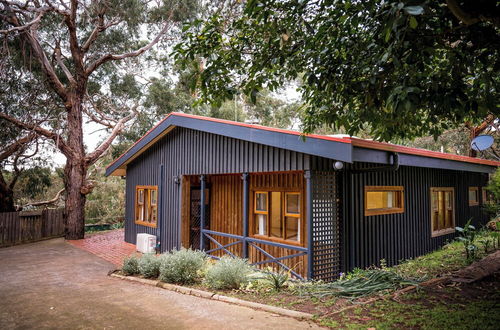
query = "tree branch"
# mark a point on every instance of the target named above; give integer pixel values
(57, 53)
(465, 17)
(109, 57)
(25, 26)
(100, 150)
(50, 201)
(58, 140)
(15, 146)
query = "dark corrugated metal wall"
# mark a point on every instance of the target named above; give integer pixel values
(395, 237)
(190, 152)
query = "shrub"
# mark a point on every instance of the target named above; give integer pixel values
(467, 237)
(181, 266)
(277, 280)
(131, 266)
(228, 273)
(149, 266)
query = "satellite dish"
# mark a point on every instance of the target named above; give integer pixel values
(482, 142)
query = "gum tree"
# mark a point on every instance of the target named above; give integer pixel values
(81, 50)
(406, 68)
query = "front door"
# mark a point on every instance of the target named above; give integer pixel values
(195, 217)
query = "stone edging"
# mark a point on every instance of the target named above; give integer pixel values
(214, 296)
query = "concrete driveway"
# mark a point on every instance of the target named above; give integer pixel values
(52, 284)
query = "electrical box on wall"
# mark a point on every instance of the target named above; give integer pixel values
(146, 243)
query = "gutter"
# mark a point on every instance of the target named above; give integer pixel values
(389, 168)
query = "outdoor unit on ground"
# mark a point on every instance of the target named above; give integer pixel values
(146, 243)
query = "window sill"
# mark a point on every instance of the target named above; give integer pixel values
(146, 224)
(473, 204)
(278, 240)
(383, 211)
(442, 232)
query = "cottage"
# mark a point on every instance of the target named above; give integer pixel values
(315, 206)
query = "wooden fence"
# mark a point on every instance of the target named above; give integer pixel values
(31, 226)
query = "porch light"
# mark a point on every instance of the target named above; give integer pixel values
(338, 165)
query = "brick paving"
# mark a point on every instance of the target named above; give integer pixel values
(109, 245)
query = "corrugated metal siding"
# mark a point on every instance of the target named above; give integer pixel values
(190, 152)
(396, 237)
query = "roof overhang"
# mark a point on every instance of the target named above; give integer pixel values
(317, 145)
(343, 149)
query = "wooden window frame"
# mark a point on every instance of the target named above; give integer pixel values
(147, 206)
(476, 202)
(300, 216)
(486, 197)
(392, 210)
(436, 233)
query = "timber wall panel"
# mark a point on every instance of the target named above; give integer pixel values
(291, 180)
(190, 152)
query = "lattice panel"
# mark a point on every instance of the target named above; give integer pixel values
(326, 240)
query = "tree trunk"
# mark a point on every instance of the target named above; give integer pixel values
(75, 200)
(6, 197)
(75, 172)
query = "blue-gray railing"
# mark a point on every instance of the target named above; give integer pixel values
(251, 241)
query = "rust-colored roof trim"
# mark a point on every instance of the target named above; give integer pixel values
(361, 143)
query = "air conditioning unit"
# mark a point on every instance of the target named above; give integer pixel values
(146, 243)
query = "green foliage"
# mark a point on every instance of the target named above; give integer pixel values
(360, 284)
(447, 259)
(408, 68)
(468, 237)
(181, 266)
(425, 312)
(131, 266)
(107, 201)
(494, 192)
(34, 181)
(149, 266)
(228, 273)
(277, 280)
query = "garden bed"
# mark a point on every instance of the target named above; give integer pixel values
(362, 298)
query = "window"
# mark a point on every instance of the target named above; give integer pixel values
(487, 197)
(146, 205)
(442, 211)
(277, 215)
(473, 196)
(261, 213)
(384, 200)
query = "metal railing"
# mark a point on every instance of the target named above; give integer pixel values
(251, 241)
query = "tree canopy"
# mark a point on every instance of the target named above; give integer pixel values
(408, 68)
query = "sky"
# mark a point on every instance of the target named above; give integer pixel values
(93, 133)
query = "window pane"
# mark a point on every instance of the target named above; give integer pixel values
(435, 201)
(293, 203)
(153, 197)
(448, 200)
(292, 228)
(140, 197)
(261, 202)
(381, 199)
(473, 195)
(261, 224)
(146, 208)
(276, 216)
(153, 214)
(140, 212)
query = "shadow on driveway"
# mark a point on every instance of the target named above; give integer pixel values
(52, 284)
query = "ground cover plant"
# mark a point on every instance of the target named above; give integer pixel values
(149, 266)
(131, 266)
(228, 273)
(360, 299)
(181, 266)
